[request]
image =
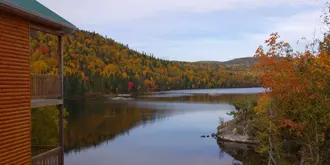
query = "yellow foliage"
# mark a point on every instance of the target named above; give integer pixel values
(110, 69)
(39, 67)
(124, 75)
(263, 104)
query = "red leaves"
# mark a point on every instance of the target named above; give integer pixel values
(44, 49)
(313, 96)
(295, 127)
(130, 86)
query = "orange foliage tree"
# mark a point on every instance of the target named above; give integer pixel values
(296, 104)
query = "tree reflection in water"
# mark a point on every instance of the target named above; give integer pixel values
(241, 153)
(95, 121)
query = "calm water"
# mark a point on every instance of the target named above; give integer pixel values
(163, 128)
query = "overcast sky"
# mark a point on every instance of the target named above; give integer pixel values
(194, 30)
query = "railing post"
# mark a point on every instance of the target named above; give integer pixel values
(60, 65)
(60, 107)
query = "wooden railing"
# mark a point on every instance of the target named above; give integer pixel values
(46, 155)
(44, 86)
(39, 149)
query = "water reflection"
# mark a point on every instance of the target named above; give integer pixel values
(149, 130)
(92, 122)
(241, 153)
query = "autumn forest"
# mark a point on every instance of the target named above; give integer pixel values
(95, 64)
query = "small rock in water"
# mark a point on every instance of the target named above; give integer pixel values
(208, 136)
(214, 135)
(203, 136)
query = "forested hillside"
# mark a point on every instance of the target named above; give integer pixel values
(93, 63)
(241, 63)
(237, 63)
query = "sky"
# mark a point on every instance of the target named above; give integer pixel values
(195, 30)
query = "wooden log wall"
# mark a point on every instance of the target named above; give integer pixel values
(15, 116)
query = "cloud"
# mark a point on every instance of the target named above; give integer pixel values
(205, 47)
(100, 11)
(193, 30)
(293, 28)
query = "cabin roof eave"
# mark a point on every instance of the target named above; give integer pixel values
(37, 18)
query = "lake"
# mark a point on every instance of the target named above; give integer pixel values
(161, 128)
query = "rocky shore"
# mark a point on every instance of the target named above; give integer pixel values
(237, 130)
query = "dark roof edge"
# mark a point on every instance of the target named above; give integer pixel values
(65, 25)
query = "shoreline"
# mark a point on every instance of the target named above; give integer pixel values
(236, 130)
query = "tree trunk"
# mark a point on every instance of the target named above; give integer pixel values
(327, 135)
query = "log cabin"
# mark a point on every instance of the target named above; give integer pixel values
(20, 91)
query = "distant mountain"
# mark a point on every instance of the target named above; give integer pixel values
(245, 61)
(238, 63)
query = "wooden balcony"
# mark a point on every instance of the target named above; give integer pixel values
(45, 90)
(46, 155)
(45, 86)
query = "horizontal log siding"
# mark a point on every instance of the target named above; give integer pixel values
(15, 117)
